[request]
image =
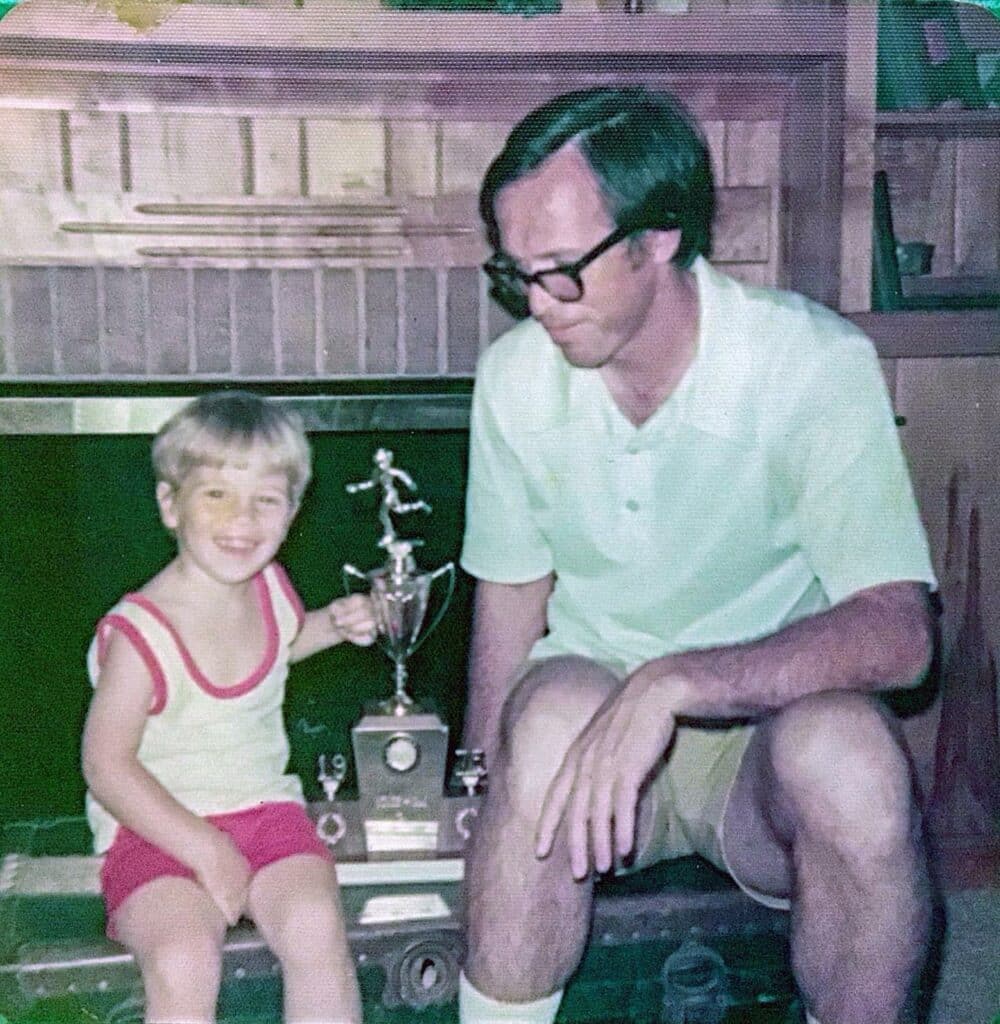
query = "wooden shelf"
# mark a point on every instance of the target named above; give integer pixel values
(946, 122)
(810, 30)
(932, 335)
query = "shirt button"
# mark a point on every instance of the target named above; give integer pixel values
(633, 449)
(632, 505)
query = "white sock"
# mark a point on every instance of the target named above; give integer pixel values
(476, 1008)
(810, 1019)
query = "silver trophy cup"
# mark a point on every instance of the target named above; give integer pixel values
(401, 595)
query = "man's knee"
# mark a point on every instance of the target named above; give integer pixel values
(841, 773)
(547, 710)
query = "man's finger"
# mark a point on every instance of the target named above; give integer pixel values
(600, 818)
(552, 810)
(626, 798)
(579, 814)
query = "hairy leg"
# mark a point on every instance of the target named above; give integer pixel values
(175, 931)
(295, 902)
(527, 918)
(823, 811)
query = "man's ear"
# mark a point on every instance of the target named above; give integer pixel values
(165, 498)
(662, 245)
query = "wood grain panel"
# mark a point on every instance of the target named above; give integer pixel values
(31, 150)
(167, 325)
(467, 148)
(741, 233)
(753, 153)
(977, 205)
(95, 151)
(463, 319)
(76, 320)
(380, 322)
(858, 137)
(277, 156)
(185, 156)
(714, 131)
(346, 158)
(413, 154)
(254, 328)
(211, 321)
(295, 317)
(340, 323)
(30, 324)
(124, 347)
(421, 322)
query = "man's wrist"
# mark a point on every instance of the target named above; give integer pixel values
(677, 689)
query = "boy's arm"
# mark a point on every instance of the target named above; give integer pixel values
(137, 800)
(347, 618)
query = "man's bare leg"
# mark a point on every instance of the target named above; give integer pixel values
(527, 918)
(823, 810)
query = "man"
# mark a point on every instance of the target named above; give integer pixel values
(698, 559)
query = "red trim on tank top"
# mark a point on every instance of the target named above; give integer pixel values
(289, 591)
(134, 636)
(203, 682)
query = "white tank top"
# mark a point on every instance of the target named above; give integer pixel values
(215, 749)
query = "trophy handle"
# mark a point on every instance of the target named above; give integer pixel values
(448, 569)
(348, 573)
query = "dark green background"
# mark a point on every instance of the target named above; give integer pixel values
(78, 528)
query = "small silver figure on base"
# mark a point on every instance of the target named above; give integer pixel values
(385, 476)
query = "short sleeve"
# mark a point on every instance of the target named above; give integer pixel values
(853, 509)
(502, 542)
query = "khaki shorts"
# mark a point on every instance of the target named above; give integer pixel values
(690, 794)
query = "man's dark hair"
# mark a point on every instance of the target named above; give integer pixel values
(645, 150)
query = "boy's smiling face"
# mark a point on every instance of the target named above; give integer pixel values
(229, 519)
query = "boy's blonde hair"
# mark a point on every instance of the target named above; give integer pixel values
(209, 429)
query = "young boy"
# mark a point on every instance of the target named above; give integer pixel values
(184, 748)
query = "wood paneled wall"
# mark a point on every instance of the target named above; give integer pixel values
(179, 243)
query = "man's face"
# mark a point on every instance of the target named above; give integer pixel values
(554, 215)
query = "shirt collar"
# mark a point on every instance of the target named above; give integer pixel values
(705, 395)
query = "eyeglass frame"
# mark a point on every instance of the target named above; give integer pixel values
(509, 275)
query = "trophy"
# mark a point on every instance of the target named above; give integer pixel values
(400, 593)
(401, 747)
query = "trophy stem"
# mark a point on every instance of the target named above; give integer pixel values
(400, 703)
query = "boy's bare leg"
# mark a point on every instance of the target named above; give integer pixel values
(175, 931)
(823, 810)
(527, 918)
(295, 902)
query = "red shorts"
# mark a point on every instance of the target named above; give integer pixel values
(262, 834)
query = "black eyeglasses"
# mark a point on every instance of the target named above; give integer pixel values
(562, 282)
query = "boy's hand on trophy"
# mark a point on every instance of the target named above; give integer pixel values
(353, 619)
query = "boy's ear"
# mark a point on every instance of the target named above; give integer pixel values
(165, 500)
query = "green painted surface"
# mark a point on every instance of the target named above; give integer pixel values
(78, 528)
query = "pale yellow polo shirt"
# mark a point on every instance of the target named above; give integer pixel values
(770, 484)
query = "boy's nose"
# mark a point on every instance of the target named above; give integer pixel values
(242, 508)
